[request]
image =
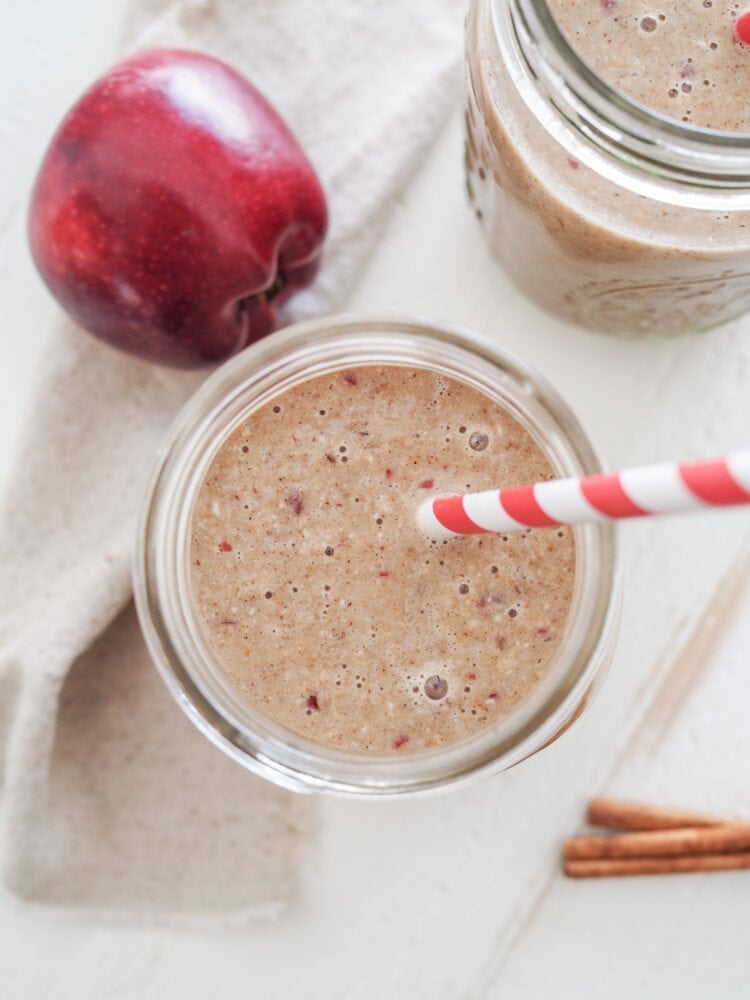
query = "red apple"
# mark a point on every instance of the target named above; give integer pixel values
(174, 210)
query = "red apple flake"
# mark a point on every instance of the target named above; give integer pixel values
(225, 547)
(294, 500)
(228, 621)
(573, 164)
(493, 695)
(350, 378)
(399, 742)
(388, 473)
(384, 572)
(312, 703)
(427, 484)
(608, 4)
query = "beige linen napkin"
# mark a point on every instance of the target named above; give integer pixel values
(110, 799)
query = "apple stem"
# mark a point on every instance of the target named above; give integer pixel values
(278, 286)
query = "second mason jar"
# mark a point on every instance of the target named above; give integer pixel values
(606, 213)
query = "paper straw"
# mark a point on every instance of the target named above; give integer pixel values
(640, 492)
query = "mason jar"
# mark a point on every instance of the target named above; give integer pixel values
(605, 213)
(167, 606)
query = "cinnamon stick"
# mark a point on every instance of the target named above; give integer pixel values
(660, 843)
(617, 815)
(619, 867)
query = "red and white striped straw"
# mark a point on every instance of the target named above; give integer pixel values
(639, 492)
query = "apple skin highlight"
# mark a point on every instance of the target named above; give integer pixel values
(174, 210)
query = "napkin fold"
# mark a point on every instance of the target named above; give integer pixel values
(110, 799)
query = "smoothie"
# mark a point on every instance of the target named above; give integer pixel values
(580, 238)
(320, 601)
(678, 58)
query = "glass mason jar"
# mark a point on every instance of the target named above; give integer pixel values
(162, 567)
(603, 212)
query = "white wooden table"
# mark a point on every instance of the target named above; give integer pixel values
(458, 896)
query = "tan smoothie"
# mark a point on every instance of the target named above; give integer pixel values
(677, 57)
(587, 247)
(319, 599)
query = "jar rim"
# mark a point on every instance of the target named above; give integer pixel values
(638, 138)
(162, 600)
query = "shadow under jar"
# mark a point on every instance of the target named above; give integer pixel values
(608, 213)
(296, 612)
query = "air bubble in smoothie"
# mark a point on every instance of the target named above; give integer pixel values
(435, 687)
(478, 441)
